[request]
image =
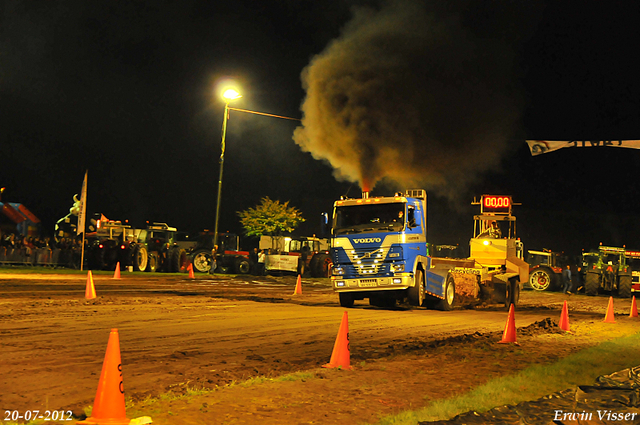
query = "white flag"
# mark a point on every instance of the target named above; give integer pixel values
(82, 216)
(543, 146)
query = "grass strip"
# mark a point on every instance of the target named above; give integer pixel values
(532, 383)
(143, 407)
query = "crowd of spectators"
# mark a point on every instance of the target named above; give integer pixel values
(16, 241)
(35, 250)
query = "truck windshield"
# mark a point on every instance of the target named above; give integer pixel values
(369, 218)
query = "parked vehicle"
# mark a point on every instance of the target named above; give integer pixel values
(152, 249)
(296, 254)
(545, 272)
(229, 258)
(606, 269)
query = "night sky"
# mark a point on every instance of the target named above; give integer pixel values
(392, 94)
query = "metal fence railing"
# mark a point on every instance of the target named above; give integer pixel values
(40, 257)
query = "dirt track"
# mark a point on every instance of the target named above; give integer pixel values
(177, 333)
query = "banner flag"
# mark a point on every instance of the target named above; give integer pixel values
(538, 147)
(82, 215)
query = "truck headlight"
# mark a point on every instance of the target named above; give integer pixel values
(398, 267)
(337, 271)
(340, 283)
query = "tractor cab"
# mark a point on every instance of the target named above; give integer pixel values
(494, 231)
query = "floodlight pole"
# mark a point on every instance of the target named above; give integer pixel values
(222, 147)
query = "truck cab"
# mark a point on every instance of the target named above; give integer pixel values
(379, 246)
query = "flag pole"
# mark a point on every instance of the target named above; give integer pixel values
(82, 254)
(83, 217)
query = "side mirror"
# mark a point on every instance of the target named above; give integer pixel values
(324, 223)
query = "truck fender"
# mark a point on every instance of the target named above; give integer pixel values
(436, 279)
(421, 262)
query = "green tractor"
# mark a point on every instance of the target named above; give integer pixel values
(607, 269)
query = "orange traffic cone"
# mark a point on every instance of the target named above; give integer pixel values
(634, 308)
(509, 334)
(90, 292)
(564, 318)
(298, 290)
(609, 318)
(190, 269)
(108, 407)
(341, 356)
(116, 274)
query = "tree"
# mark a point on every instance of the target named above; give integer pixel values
(270, 218)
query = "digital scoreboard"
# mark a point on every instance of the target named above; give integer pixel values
(496, 204)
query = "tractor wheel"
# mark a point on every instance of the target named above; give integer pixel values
(241, 265)
(176, 260)
(416, 292)
(346, 300)
(321, 265)
(541, 280)
(449, 295)
(592, 284)
(152, 264)
(513, 294)
(139, 258)
(201, 260)
(624, 289)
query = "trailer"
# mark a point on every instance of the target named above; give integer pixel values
(297, 254)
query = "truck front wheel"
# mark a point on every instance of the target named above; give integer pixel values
(416, 292)
(449, 295)
(591, 284)
(346, 300)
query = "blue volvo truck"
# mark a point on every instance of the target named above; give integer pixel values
(379, 251)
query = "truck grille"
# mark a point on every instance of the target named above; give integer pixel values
(368, 261)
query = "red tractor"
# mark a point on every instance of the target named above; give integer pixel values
(545, 269)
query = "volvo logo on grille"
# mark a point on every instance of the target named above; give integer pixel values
(367, 240)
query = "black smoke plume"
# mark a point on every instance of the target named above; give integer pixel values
(416, 93)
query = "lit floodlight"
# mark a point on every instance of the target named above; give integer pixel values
(231, 94)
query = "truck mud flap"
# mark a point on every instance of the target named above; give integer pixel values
(435, 283)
